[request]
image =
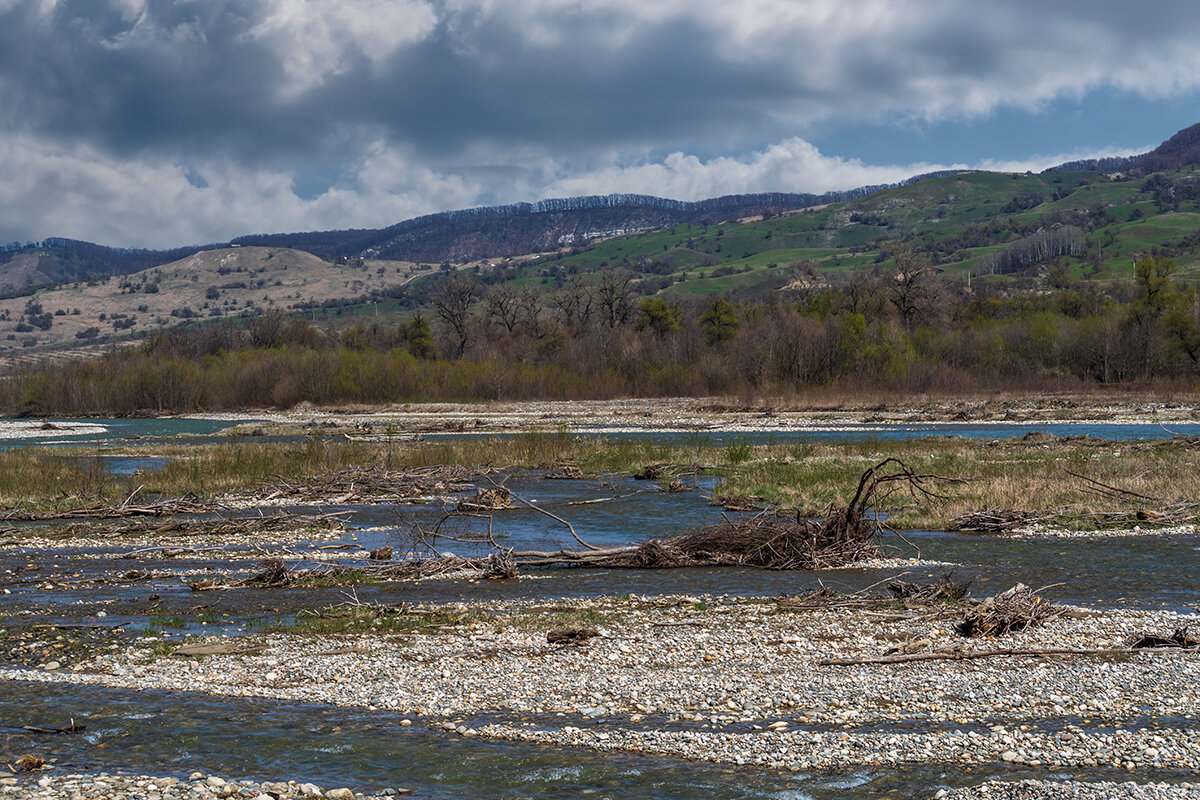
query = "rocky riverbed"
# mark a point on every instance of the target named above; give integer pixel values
(734, 681)
(105, 786)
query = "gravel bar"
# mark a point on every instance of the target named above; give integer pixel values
(732, 680)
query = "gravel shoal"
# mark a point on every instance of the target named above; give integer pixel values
(735, 681)
(1037, 531)
(105, 786)
(1036, 790)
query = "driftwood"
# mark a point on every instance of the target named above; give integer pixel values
(571, 635)
(72, 728)
(369, 484)
(1178, 639)
(995, 520)
(187, 504)
(766, 541)
(1016, 609)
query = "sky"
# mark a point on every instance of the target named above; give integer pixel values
(162, 123)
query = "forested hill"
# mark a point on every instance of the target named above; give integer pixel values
(454, 236)
(522, 228)
(510, 230)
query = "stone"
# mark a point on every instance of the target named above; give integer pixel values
(340, 794)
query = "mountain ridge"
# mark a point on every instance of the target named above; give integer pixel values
(473, 234)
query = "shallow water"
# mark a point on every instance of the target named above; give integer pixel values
(114, 431)
(332, 747)
(175, 733)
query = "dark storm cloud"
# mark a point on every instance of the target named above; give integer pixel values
(406, 105)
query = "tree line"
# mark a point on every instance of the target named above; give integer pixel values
(906, 329)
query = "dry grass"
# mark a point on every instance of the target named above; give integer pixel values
(1013, 474)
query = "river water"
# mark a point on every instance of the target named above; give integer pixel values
(175, 733)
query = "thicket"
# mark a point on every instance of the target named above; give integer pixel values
(908, 330)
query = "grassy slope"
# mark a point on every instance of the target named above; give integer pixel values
(847, 236)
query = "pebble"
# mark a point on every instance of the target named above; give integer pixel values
(737, 664)
(1078, 790)
(106, 786)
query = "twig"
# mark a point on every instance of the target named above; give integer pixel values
(550, 514)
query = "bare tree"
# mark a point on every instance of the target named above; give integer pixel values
(912, 288)
(504, 307)
(614, 296)
(452, 302)
(531, 311)
(574, 302)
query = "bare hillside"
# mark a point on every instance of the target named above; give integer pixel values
(209, 284)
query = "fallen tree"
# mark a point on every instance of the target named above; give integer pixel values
(768, 540)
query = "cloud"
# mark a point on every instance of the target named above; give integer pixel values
(150, 202)
(335, 113)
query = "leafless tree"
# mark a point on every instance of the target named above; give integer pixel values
(912, 287)
(452, 302)
(614, 296)
(574, 302)
(504, 307)
(531, 311)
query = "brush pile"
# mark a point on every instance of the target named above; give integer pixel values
(370, 484)
(767, 541)
(764, 541)
(944, 589)
(495, 499)
(187, 504)
(275, 574)
(997, 520)
(1016, 609)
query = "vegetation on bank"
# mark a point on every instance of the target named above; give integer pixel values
(911, 331)
(1034, 474)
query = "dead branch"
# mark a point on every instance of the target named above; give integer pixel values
(552, 515)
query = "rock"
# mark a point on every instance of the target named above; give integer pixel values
(50, 666)
(1010, 756)
(310, 790)
(340, 794)
(214, 781)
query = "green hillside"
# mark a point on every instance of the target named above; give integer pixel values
(957, 222)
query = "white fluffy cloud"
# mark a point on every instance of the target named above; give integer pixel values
(158, 203)
(316, 39)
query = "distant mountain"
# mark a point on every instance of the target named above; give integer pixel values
(510, 230)
(1181, 150)
(64, 260)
